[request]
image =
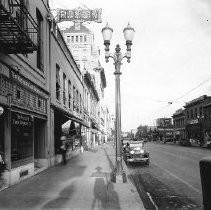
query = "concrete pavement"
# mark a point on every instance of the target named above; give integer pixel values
(83, 183)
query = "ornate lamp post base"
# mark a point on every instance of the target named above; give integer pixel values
(118, 175)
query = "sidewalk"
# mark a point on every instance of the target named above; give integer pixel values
(84, 183)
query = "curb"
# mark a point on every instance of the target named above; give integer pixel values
(131, 184)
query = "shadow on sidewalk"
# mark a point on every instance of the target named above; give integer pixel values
(105, 197)
(109, 160)
(64, 196)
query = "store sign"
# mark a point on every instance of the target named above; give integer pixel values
(22, 120)
(79, 15)
(1, 110)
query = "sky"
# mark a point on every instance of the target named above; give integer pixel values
(171, 54)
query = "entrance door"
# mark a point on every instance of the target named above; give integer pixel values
(39, 141)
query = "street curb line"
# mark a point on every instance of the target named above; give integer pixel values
(129, 181)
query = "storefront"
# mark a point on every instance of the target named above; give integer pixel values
(23, 125)
(194, 131)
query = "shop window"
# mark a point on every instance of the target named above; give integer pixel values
(21, 139)
(58, 82)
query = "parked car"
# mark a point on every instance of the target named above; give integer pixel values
(135, 152)
(126, 140)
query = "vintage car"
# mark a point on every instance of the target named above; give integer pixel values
(125, 141)
(135, 152)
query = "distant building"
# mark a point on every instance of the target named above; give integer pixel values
(179, 124)
(194, 113)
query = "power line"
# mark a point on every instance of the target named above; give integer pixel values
(191, 90)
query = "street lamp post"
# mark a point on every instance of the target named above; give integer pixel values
(118, 175)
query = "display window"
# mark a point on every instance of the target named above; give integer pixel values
(21, 139)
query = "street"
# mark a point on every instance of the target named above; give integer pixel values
(172, 180)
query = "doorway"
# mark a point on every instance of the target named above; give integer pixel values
(39, 141)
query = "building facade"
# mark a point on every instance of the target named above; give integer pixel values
(80, 40)
(194, 112)
(179, 124)
(24, 88)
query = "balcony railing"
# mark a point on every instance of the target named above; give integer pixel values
(18, 29)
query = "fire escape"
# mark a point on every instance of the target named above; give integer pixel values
(18, 29)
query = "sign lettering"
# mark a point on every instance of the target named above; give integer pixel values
(80, 15)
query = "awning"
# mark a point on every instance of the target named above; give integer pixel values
(194, 128)
(70, 116)
(79, 121)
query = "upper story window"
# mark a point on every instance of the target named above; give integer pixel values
(58, 83)
(200, 111)
(191, 113)
(195, 115)
(81, 38)
(64, 89)
(77, 96)
(76, 38)
(72, 38)
(69, 93)
(68, 39)
(40, 53)
(85, 38)
(74, 98)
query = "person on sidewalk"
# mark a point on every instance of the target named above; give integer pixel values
(63, 149)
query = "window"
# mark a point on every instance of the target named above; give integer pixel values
(40, 41)
(18, 94)
(80, 103)
(39, 103)
(64, 89)
(195, 112)
(77, 97)
(21, 139)
(74, 98)
(85, 38)
(58, 82)
(68, 39)
(200, 111)
(81, 38)
(69, 94)
(72, 38)
(76, 38)
(191, 113)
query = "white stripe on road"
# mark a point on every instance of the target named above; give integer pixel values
(182, 180)
(150, 197)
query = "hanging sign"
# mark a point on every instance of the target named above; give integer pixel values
(79, 15)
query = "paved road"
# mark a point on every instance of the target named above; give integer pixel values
(172, 180)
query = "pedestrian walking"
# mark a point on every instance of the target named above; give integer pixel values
(63, 149)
